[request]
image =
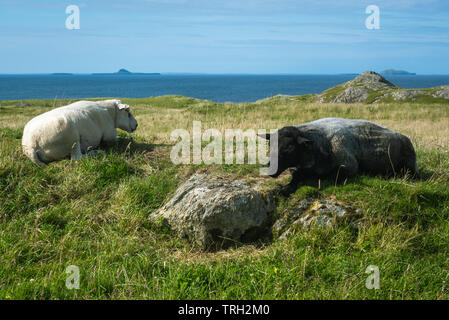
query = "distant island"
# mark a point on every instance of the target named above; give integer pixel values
(126, 72)
(392, 72)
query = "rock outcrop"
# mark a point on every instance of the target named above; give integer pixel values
(357, 89)
(214, 213)
(370, 80)
(413, 95)
(313, 213)
(352, 95)
(371, 87)
(443, 92)
(402, 95)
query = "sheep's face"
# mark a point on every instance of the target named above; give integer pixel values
(125, 120)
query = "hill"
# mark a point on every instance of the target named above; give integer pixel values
(126, 72)
(123, 71)
(371, 87)
(393, 72)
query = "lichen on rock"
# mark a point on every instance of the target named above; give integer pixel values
(315, 213)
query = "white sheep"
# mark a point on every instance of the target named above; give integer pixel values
(74, 129)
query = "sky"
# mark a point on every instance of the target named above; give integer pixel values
(225, 36)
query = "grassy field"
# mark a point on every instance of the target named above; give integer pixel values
(93, 213)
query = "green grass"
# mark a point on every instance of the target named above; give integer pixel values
(93, 213)
(331, 93)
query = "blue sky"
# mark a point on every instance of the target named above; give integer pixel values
(226, 36)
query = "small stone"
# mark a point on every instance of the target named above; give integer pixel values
(309, 213)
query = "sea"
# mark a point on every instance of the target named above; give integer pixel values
(219, 88)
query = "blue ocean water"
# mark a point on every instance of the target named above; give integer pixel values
(220, 88)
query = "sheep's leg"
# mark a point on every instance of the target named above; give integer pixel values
(94, 152)
(76, 152)
(348, 168)
(297, 178)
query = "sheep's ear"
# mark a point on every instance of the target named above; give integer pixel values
(264, 136)
(303, 141)
(123, 106)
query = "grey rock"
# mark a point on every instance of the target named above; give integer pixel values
(370, 80)
(316, 213)
(406, 94)
(214, 213)
(352, 95)
(443, 93)
(412, 94)
(288, 219)
(321, 98)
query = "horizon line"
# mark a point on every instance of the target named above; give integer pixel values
(206, 73)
